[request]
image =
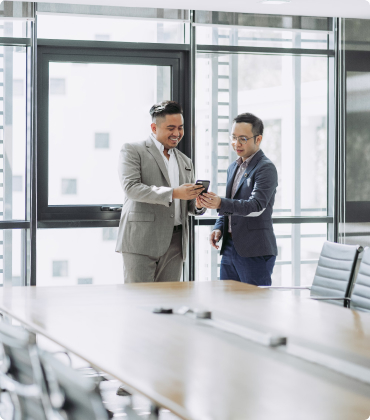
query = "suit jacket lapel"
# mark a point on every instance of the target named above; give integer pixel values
(230, 182)
(153, 150)
(252, 164)
(181, 164)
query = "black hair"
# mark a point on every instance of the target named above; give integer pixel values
(164, 108)
(257, 124)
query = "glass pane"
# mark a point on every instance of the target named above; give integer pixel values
(12, 132)
(289, 94)
(16, 28)
(261, 37)
(313, 237)
(93, 110)
(64, 259)
(109, 29)
(355, 234)
(358, 136)
(12, 257)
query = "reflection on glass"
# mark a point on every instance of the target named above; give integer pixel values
(357, 136)
(93, 110)
(109, 29)
(264, 85)
(355, 234)
(69, 257)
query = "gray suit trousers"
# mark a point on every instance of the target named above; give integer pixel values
(139, 268)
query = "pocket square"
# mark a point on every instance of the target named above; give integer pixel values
(187, 169)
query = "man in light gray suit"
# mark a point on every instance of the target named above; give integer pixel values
(158, 182)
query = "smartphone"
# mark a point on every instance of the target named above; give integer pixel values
(205, 185)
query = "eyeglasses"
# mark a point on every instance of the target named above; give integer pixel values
(241, 139)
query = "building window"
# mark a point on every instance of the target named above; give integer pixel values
(57, 86)
(85, 280)
(18, 87)
(17, 183)
(69, 186)
(60, 268)
(110, 233)
(101, 140)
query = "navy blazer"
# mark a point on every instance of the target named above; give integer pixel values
(251, 208)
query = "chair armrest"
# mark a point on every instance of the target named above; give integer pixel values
(11, 385)
(286, 287)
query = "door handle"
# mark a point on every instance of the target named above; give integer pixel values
(110, 208)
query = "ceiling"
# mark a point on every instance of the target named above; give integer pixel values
(334, 8)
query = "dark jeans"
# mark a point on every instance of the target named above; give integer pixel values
(251, 270)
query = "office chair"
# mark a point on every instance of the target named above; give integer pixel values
(21, 375)
(334, 276)
(74, 396)
(360, 298)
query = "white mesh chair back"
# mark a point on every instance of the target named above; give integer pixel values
(335, 271)
(360, 298)
(81, 397)
(21, 373)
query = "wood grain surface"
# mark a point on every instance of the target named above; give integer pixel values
(200, 372)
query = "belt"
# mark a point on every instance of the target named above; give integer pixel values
(230, 234)
(177, 228)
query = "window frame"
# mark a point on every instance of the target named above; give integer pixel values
(173, 55)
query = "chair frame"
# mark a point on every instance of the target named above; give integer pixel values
(38, 389)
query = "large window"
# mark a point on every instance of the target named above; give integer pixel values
(92, 98)
(288, 90)
(14, 148)
(99, 70)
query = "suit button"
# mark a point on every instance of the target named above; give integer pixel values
(171, 215)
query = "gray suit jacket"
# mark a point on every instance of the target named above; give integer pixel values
(147, 217)
(251, 208)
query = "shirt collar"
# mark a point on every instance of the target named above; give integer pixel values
(240, 162)
(159, 145)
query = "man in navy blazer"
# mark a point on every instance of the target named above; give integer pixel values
(249, 245)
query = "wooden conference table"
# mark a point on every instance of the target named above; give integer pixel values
(201, 372)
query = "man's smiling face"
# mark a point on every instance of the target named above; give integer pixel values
(169, 130)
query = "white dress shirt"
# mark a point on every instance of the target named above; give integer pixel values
(173, 173)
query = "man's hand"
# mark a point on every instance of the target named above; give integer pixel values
(187, 191)
(198, 203)
(214, 237)
(210, 200)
